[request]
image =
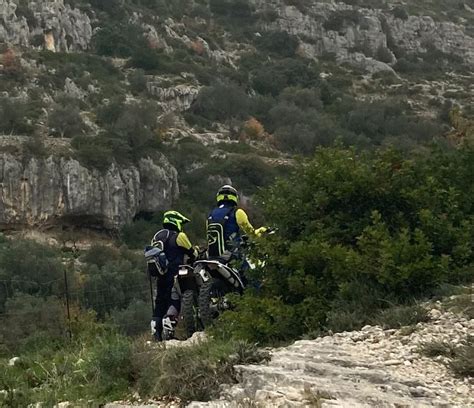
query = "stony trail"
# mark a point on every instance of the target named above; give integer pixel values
(371, 367)
(368, 368)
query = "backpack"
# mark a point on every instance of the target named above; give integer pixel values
(155, 255)
(216, 239)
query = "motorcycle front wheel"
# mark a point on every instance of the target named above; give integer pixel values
(189, 312)
(211, 301)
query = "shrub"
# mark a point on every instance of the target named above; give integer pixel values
(400, 12)
(30, 322)
(137, 81)
(131, 129)
(100, 255)
(463, 362)
(221, 102)
(30, 268)
(113, 287)
(278, 42)
(14, 115)
(109, 367)
(139, 233)
(437, 348)
(93, 152)
(358, 232)
(35, 147)
(378, 121)
(134, 319)
(252, 129)
(240, 9)
(272, 77)
(399, 316)
(119, 40)
(384, 54)
(264, 321)
(74, 66)
(338, 19)
(192, 373)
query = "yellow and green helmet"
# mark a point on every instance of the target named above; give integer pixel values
(175, 218)
(227, 193)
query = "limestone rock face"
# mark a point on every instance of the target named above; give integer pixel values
(344, 30)
(41, 191)
(177, 98)
(53, 24)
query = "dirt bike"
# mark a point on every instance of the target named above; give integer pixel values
(220, 277)
(218, 280)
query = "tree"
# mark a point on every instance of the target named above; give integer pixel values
(66, 121)
(14, 117)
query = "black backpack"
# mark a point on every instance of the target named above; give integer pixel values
(155, 254)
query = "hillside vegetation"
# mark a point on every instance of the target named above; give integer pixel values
(346, 126)
(362, 237)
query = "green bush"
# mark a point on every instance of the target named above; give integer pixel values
(278, 42)
(119, 40)
(137, 81)
(400, 12)
(340, 18)
(399, 316)
(134, 319)
(109, 366)
(114, 286)
(93, 152)
(15, 117)
(254, 319)
(100, 255)
(30, 268)
(382, 120)
(359, 232)
(30, 322)
(463, 362)
(131, 131)
(77, 66)
(240, 9)
(438, 348)
(221, 102)
(192, 373)
(272, 77)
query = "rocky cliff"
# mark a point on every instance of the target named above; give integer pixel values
(363, 37)
(51, 24)
(38, 191)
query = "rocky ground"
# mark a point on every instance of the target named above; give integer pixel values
(367, 368)
(372, 367)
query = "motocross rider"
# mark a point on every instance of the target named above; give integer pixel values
(225, 225)
(178, 250)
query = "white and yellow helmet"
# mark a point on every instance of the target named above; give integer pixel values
(227, 193)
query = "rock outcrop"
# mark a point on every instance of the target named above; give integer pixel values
(177, 98)
(38, 191)
(368, 368)
(344, 31)
(51, 24)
